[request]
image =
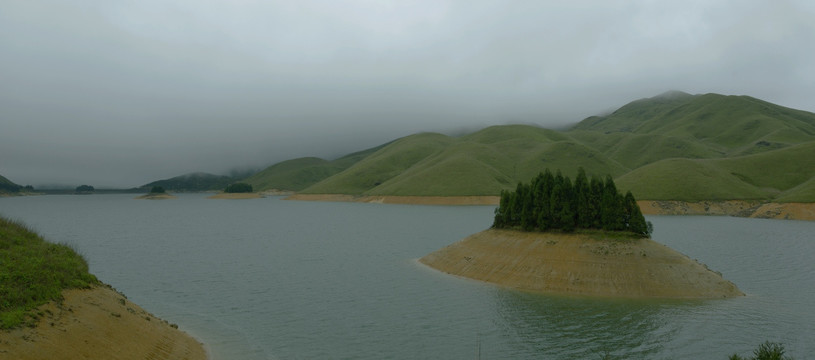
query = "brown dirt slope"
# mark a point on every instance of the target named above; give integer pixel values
(741, 208)
(98, 323)
(580, 264)
(236, 196)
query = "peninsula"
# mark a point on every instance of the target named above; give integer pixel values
(584, 239)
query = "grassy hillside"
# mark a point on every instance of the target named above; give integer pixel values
(33, 272)
(673, 146)
(729, 125)
(298, 174)
(192, 182)
(7, 186)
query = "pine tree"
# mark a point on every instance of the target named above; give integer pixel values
(551, 202)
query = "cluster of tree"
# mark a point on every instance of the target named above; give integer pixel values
(14, 188)
(157, 190)
(238, 188)
(84, 189)
(553, 202)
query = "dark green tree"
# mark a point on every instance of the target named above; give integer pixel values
(238, 188)
(157, 190)
(552, 202)
(84, 189)
(582, 194)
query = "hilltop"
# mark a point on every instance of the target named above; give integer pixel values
(674, 146)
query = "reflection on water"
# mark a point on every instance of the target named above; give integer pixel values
(581, 327)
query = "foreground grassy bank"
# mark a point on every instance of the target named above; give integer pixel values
(34, 272)
(51, 307)
(592, 264)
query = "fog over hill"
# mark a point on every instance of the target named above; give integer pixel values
(121, 93)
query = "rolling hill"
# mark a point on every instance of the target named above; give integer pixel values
(674, 146)
(9, 187)
(192, 182)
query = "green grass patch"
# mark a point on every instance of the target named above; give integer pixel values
(34, 272)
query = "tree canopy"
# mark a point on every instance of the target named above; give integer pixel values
(84, 189)
(157, 190)
(238, 188)
(554, 202)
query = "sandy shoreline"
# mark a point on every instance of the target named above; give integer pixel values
(98, 323)
(580, 265)
(163, 196)
(392, 199)
(740, 208)
(236, 196)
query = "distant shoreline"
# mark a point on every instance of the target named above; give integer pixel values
(236, 196)
(739, 208)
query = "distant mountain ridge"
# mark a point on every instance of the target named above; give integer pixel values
(192, 182)
(674, 146)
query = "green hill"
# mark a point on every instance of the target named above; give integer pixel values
(9, 187)
(673, 146)
(298, 174)
(192, 182)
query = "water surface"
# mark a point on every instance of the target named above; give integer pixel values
(274, 279)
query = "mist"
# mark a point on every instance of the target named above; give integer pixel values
(122, 93)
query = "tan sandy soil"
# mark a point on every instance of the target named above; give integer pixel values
(236, 196)
(414, 200)
(276, 192)
(98, 324)
(580, 264)
(752, 209)
(156, 196)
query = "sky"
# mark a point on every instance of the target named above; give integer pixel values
(119, 93)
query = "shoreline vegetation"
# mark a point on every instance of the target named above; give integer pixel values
(51, 307)
(739, 208)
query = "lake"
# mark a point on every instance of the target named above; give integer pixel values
(274, 279)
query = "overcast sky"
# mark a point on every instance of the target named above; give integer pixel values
(121, 93)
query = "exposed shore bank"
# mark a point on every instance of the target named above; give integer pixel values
(391, 199)
(740, 208)
(163, 196)
(580, 264)
(236, 196)
(98, 323)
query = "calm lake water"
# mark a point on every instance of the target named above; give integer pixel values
(274, 279)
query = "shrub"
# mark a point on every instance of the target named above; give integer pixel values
(766, 351)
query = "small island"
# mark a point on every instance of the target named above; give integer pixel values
(237, 191)
(581, 238)
(156, 193)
